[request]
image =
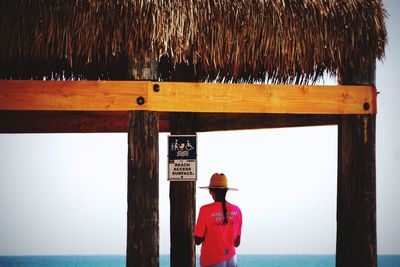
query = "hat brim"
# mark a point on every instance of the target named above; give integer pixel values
(216, 187)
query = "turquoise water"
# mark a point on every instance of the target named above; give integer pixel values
(244, 261)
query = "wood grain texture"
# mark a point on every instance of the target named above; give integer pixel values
(256, 98)
(207, 122)
(356, 243)
(22, 121)
(186, 97)
(72, 95)
(356, 194)
(182, 205)
(143, 190)
(17, 121)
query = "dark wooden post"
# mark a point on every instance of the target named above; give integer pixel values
(183, 205)
(182, 194)
(143, 187)
(356, 192)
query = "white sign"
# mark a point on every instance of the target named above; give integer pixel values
(182, 157)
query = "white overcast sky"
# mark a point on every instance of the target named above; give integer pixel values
(66, 194)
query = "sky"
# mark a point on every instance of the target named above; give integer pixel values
(64, 194)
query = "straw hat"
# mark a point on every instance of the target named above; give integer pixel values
(218, 180)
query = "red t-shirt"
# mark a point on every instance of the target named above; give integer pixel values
(219, 238)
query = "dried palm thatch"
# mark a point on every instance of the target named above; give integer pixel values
(281, 40)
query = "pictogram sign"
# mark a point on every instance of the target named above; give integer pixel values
(182, 157)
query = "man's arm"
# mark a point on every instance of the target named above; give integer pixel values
(237, 241)
(198, 240)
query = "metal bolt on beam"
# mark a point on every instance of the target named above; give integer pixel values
(140, 100)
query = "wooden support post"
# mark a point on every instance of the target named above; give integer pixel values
(143, 184)
(356, 195)
(143, 216)
(183, 205)
(182, 194)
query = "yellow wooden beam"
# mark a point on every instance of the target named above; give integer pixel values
(186, 97)
(72, 95)
(257, 98)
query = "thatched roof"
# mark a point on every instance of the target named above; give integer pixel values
(283, 40)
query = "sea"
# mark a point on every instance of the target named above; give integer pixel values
(243, 260)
